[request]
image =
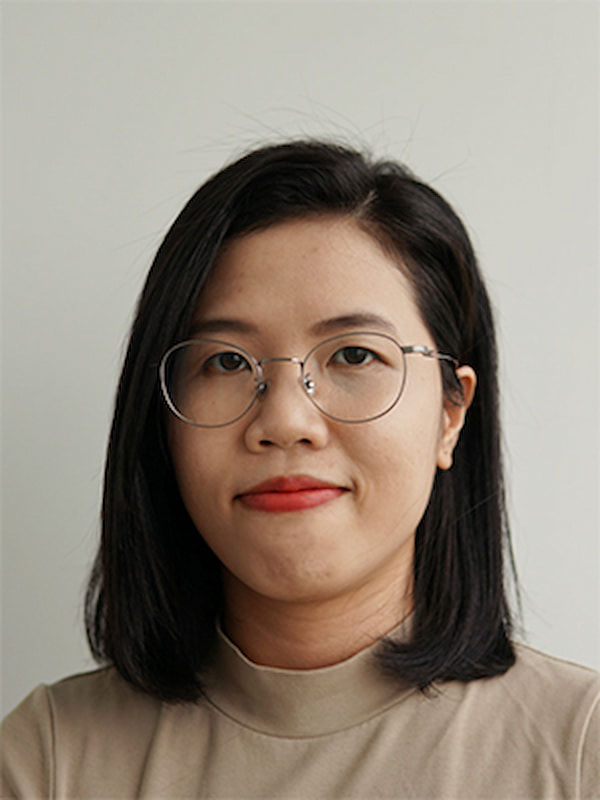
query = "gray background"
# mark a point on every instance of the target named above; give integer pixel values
(115, 111)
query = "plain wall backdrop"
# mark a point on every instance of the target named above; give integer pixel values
(114, 112)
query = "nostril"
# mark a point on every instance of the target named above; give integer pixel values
(270, 443)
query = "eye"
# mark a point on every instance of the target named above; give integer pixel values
(227, 362)
(354, 356)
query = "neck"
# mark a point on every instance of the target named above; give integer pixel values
(310, 635)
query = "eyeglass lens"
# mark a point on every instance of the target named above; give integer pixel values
(352, 378)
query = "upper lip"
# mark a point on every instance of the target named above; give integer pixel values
(291, 483)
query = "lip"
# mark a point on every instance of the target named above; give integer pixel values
(290, 493)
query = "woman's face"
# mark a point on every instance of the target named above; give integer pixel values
(278, 292)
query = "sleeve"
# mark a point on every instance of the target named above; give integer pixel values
(27, 749)
(589, 755)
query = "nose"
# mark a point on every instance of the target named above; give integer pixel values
(283, 415)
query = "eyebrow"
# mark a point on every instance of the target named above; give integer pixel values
(221, 326)
(360, 319)
(356, 320)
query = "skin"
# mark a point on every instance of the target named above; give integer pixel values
(309, 588)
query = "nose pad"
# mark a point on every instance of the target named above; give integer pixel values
(309, 384)
(263, 384)
(282, 416)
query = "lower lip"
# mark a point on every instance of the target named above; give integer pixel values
(290, 501)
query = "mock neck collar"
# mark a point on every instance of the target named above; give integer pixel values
(300, 703)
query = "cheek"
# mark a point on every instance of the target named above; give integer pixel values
(198, 468)
(397, 467)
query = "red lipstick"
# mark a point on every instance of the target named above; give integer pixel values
(294, 493)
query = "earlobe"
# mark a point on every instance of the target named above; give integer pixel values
(454, 416)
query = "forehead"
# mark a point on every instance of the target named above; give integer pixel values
(298, 272)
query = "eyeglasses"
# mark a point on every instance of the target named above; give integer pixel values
(354, 377)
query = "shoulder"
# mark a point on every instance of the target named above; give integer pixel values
(91, 695)
(545, 712)
(530, 661)
(551, 693)
(560, 696)
(538, 678)
(81, 703)
(67, 720)
(529, 657)
(100, 693)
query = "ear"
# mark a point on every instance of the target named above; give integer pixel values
(453, 417)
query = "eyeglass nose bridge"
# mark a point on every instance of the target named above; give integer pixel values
(262, 385)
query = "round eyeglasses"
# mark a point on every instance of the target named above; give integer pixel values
(354, 377)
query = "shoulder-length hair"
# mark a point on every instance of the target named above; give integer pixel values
(155, 589)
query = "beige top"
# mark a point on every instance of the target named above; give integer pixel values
(346, 731)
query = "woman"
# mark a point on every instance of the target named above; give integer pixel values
(300, 589)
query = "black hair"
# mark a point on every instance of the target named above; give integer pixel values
(155, 588)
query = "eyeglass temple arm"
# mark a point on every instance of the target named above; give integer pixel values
(421, 349)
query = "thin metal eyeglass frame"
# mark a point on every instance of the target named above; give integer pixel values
(307, 383)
